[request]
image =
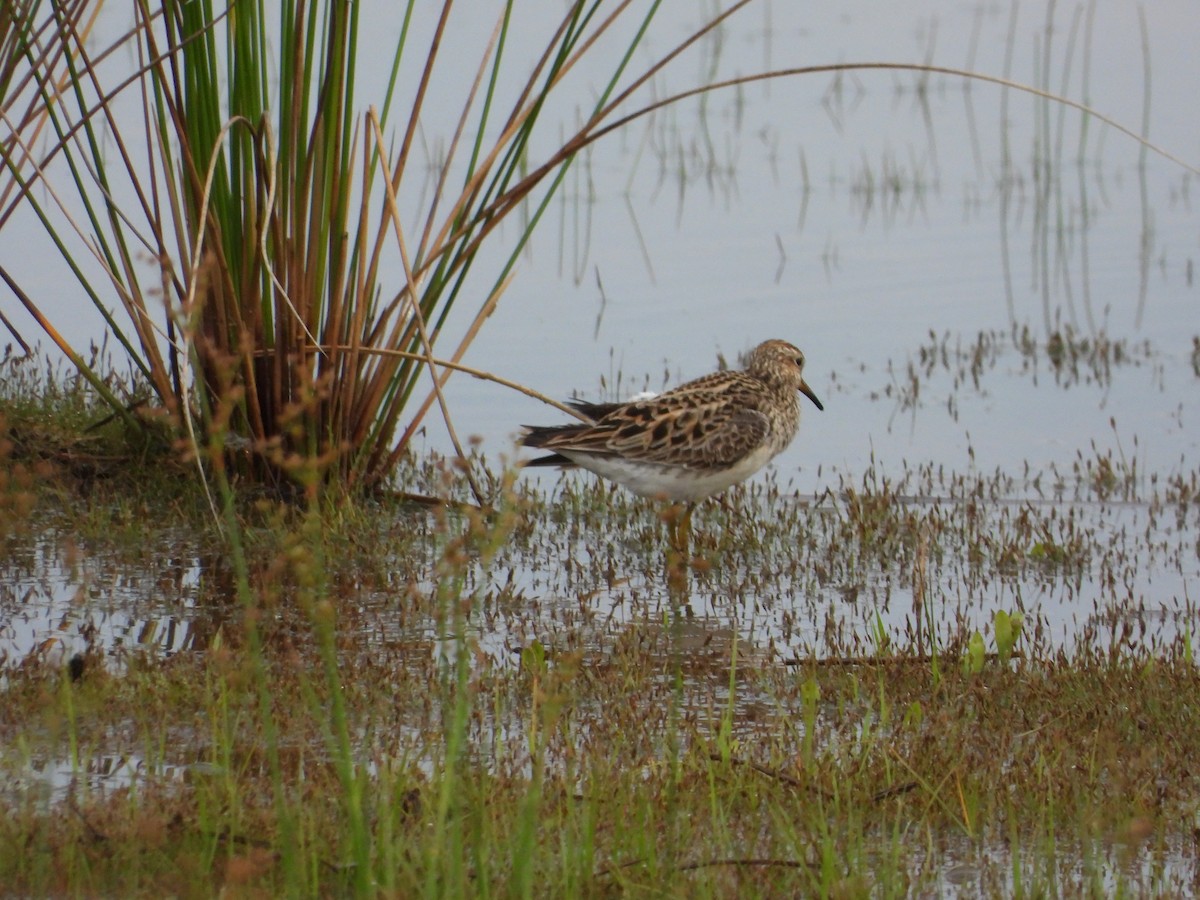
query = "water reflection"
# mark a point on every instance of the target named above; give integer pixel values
(60, 601)
(48, 781)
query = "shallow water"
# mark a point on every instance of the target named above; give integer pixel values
(59, 599)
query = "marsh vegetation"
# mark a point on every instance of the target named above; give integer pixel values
(946, 645)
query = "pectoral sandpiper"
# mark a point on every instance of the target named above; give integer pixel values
(692, 441)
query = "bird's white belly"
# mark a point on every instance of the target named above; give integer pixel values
(671, 482)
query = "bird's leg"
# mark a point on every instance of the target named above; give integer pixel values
(685, 533)
(679, 532)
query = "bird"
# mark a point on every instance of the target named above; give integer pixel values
(693, 441)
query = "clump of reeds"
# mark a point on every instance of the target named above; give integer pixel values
(252, 233)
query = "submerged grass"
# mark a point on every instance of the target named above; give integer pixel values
(554, 779)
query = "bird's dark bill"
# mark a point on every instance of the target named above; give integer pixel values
(808, 392)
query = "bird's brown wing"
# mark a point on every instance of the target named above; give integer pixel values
(709, 423)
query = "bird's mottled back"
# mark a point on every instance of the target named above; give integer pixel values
(694, 440)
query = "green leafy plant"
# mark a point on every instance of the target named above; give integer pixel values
(976, 655)
(1007, 627)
